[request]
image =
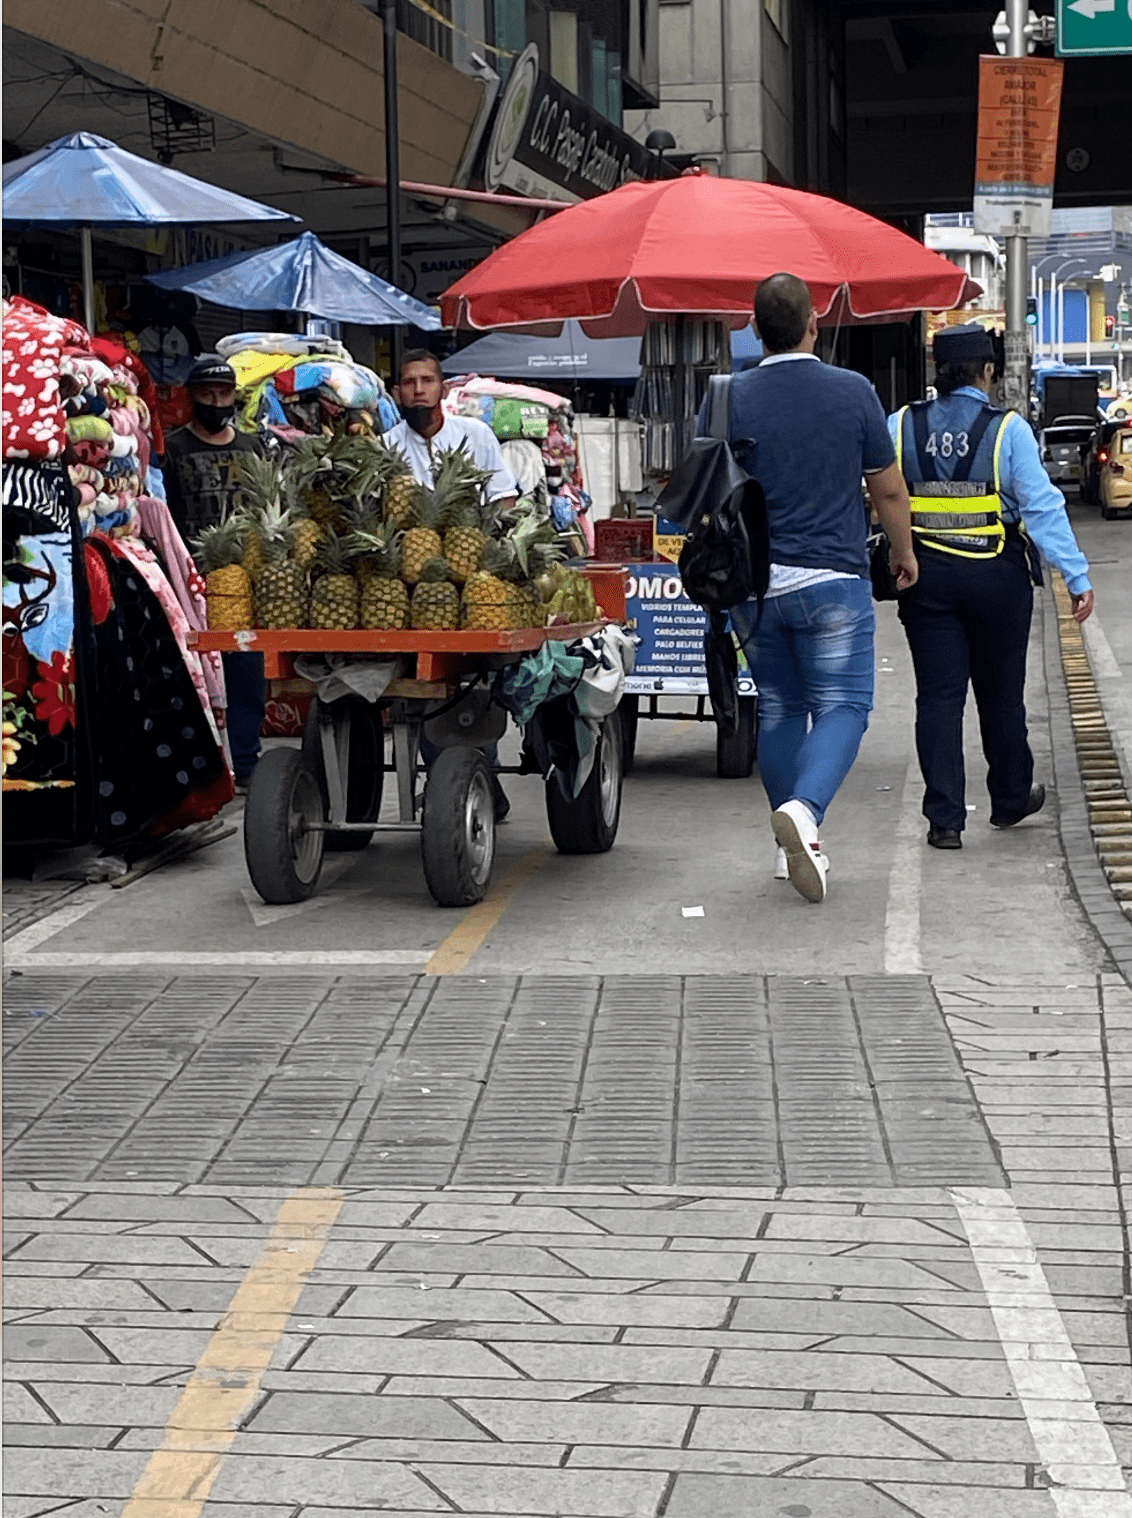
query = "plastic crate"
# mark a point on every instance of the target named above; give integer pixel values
(624, 540)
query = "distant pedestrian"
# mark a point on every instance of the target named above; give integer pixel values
(201, 486)
(808, 432)
(982, 505)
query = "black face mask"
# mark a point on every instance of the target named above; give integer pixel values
(213, 418)
(418, 417)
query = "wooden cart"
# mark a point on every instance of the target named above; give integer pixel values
(327, 794)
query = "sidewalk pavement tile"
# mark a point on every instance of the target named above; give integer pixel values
(944, 1502)
(693, 1496)
(565, 1493)
(361, 1416)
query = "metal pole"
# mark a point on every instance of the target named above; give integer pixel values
(1016, 380)
(392, 171)
(1040, 330)
(88, 278)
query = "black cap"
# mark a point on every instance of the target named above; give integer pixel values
(211, 369)
(958, 345)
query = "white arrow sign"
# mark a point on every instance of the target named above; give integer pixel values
(1092, 8)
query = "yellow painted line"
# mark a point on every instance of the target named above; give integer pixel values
(226, 1381)
(467, 937)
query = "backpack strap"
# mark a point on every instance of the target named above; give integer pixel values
(719, 406)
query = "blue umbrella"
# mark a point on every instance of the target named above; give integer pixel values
(86, 181)
(305, 276)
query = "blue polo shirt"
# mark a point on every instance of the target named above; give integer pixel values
(808, 432)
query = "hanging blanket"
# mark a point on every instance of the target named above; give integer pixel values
(33, 342)
(159, 763)
(48, 776)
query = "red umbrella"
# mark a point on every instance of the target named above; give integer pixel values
(698, 246)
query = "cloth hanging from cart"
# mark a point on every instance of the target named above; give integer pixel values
(338, 675)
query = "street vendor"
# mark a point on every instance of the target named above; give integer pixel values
(427, 430)
(201, 486)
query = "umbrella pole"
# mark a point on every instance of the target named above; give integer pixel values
(87, 250)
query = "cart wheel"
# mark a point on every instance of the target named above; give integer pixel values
(366, 775)
(588, 823)
(1108, 514)
(458, 827)
(630, 713)
(284, 856)
(735, 752)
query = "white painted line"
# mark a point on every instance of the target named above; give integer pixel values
(30, 938)
(236, 960)
(905, 882)
(1101, 656)
(1072, 1442)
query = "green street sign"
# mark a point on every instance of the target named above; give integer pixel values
(1087, 28)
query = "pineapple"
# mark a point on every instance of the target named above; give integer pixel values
(282, 596)
(465, 539)
(259, 505)
(385, 598)
(486, 603)
(334, 591)
(436, 601)
(228, 589)
(422, 542)
(308, 535)
(400, 492)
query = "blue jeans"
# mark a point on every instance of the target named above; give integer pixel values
(811, 654)
(247, 694)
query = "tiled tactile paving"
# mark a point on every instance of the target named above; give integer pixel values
(501, 1081)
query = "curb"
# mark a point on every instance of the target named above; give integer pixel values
(1094, 809)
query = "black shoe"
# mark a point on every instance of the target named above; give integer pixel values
(1036, 802)
(945, 838)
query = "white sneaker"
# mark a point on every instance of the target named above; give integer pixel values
(796, 832)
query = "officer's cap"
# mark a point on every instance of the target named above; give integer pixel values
(960, 345)
(211, 369)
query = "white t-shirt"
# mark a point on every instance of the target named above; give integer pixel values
(467, 432)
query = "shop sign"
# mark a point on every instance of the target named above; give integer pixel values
(548, 142)
(1019, 110)
(670, 655)
(429, 271)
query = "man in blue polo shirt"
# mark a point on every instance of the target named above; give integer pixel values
(808, 432)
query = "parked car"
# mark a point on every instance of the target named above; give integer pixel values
(1116, 475)
(1062, 443)
(1121, 407)
(1095, 454)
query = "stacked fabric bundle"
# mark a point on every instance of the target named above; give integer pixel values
(292, 384)
(107, 718)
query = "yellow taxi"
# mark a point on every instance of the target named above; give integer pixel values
(1115, 474)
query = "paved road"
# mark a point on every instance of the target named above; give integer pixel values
(777, 1210)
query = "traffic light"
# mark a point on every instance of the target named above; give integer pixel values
(1031, 311)
(1109, 325)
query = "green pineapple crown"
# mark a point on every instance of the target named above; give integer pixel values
(459, 485)
(336, 554)
(379, 548)
(435, 570)
(218, 547)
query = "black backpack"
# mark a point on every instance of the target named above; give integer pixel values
(722, 510)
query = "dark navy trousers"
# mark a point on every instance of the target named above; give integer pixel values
(968, 623)
(247, 693)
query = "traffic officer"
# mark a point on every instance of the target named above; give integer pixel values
(982, 507)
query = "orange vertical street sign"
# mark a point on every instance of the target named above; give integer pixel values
(1019, 110)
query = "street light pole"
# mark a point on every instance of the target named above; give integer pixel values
(1016, 379)
(392, 169)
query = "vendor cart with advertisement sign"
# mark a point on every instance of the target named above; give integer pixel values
(327, 794)
(670, 662)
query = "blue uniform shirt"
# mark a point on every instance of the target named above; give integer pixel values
(1029, 495)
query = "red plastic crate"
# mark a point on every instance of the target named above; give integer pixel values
(624, 540)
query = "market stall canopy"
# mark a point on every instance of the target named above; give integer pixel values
(699, 246)
(303, 275)
(572, 355)
(84, 180)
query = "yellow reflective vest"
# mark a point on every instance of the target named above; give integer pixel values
(957, 515)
